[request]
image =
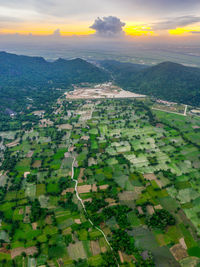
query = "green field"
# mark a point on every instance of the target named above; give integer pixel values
(138, 175)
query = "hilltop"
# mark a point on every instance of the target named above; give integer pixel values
(24, 77)
(167, 80)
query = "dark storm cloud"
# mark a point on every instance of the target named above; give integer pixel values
(108, 26)
(176, 22)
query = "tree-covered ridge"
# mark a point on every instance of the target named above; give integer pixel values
(167, 80)
(33, 81)
(34, 71)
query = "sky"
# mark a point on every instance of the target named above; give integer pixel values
(121, 19)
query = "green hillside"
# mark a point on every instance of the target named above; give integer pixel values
(23, 77)
(168, 80)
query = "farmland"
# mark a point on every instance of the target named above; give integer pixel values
(137, 172)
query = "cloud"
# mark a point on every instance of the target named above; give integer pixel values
(57, 9)
(161, 5)
(175, 23)
(195, 32)
(108, 26)
(57, 33)
(68, 11)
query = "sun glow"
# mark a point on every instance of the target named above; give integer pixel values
(46, 29)
(138, 30)
(185, 31)
(131, 29)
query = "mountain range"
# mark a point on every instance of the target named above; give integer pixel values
(168, 81)
(24, 77)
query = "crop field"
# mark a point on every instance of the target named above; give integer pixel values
(169, 107)
(131, 164)
(77, 251)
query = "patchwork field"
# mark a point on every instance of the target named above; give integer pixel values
(137, 171)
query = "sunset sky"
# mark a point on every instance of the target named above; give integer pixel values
(106, 18)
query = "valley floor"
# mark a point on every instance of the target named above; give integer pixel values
(105, 182)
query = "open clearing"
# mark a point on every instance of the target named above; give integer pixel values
(107, 90)
(95, 247)
(18, 251)
(178, 252)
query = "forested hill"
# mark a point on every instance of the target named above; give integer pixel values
(167, 80)
(23, 78)
(24, 70)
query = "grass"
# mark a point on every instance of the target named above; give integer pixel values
(144, 238)
(169, 203)
(190, 261)
(42, 238)
(86, 245)
(67, 163)
(194, 251)
(81, 157)
(26, 232)
(44, 200)
(49, 229)
(16, 215)
(40, 189)
(94, 234)
(30, 190)
(174, 233)
(133, 219)
(56, 251)
(120, 179)
(94, 145)
(76, 173)
(95, 260)
(162, 239)
(56, 164)
(163, 255)
(66, 223)
(186, 195)
(4, 256)
(53, 188)
(11, 195)
(83, 235)
(60, 153)
(103, 129)
(189, 240)
(23, 165)
(93, 131)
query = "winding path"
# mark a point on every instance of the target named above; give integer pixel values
(77, 194)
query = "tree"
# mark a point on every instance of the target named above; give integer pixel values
(160, 219)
